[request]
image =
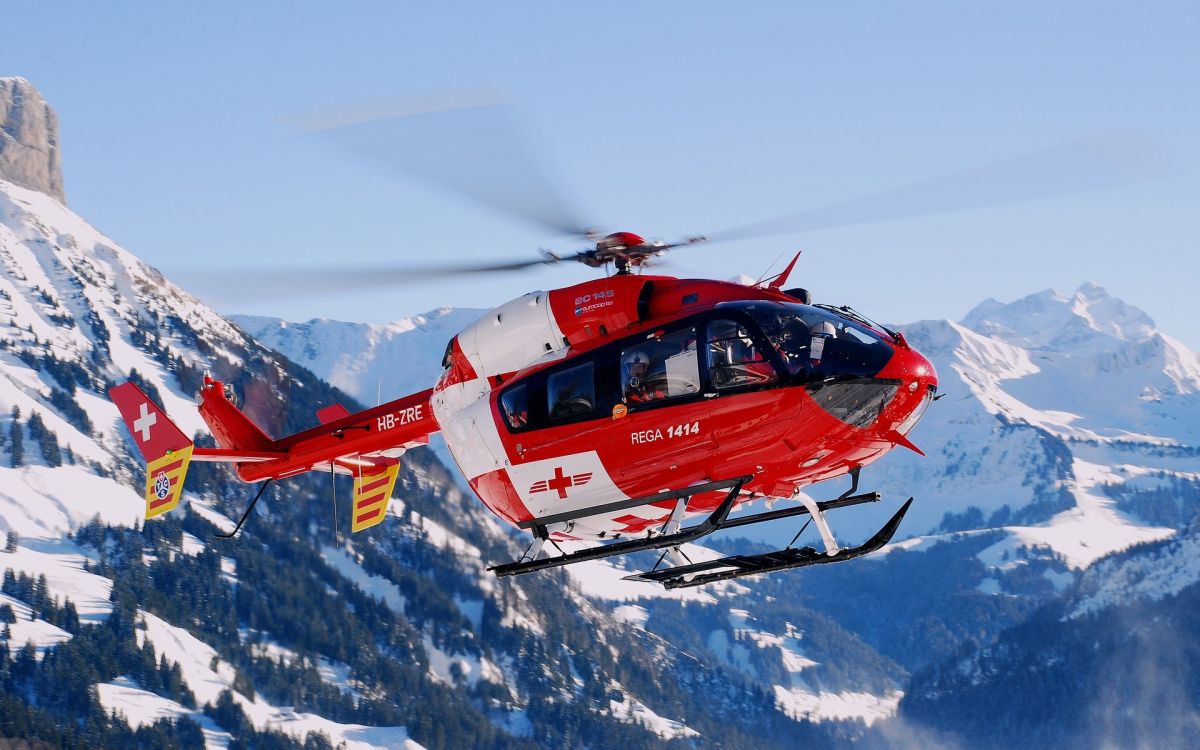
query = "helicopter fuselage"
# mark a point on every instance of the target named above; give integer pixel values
(631, 385)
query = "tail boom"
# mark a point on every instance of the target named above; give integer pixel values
(365, 445)
(386, 430)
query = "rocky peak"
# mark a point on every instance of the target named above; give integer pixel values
(1087, 321)
(29, 150)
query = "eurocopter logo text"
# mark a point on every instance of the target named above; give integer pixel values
(597, 300)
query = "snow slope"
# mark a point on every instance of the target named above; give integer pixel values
(197, 659)
(77, 314)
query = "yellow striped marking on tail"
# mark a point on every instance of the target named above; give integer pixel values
(164, 481)
(371, 494)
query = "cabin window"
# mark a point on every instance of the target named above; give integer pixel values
(734, 360)
(816, 344)
(663, 367)
(571, 392)
(515, 404)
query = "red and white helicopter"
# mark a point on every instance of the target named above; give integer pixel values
(620, 409)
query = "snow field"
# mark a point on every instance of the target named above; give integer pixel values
(634, 711)
(797, 699)
(40, 633)
(45, 503)
(845, 706)
(61, 561)
(141, 708)
(1083, 534)
(208, 676)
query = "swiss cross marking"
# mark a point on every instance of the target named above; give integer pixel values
(144, 422)
(560, 482)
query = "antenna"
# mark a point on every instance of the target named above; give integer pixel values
(769, 267)
(337, 541)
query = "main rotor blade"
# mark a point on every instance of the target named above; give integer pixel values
(265, 283)
(1103, 162)
(470, 149)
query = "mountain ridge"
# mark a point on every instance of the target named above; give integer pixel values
(511, 659)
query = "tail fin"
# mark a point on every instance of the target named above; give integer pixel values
(232, 429)
(164, 446)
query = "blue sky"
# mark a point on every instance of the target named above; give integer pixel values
(663, 118)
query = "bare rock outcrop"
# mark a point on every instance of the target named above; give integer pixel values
(29, 153)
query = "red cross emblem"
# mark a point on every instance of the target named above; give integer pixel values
(560, 482)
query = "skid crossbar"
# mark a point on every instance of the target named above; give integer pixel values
(710, 524)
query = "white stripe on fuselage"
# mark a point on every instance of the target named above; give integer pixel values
(464, 414)
(567, 483)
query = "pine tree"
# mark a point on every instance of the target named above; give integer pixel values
(10, 543)
(16, 437)
(46, 438)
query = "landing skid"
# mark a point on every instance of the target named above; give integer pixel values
(671, 537)
(736, 566)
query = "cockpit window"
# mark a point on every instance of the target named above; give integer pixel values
(816, 344)
(733, 358)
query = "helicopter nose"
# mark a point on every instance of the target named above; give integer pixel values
(911, 368)
(918, 386)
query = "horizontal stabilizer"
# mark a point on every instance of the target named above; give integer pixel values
(332, 413)
(372, 491)
(223, 455)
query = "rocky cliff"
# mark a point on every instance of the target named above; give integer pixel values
(29, 152)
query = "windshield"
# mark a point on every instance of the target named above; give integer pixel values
(816, 344)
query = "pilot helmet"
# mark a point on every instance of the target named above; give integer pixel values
(636, 362)
(823, 328)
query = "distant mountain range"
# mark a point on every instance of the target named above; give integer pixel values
(1044, 589)
(370, 362)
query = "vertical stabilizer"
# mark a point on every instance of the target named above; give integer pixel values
(164, 446)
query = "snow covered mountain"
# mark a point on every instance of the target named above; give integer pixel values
(1115, 662)
(1058, 409)
(78, 314)
(370, 362)
(194, 642)
(1067, 437)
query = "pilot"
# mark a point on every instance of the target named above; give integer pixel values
(636, 365)
(821, 332)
